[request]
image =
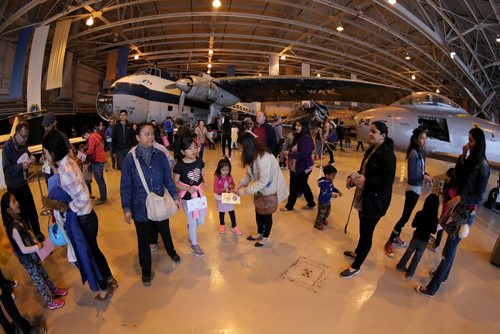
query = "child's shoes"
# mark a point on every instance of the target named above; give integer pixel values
(222, 229)
(236, 230)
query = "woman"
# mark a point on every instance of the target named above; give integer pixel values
(248, 125)
(330, 139)
(265, 174)
(472, 178)
(301, 152)
(156, 171)
(69, 183)
(374, 181)
(201, 133)
(226, 126)
(416, 176)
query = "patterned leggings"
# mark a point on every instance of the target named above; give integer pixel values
(41, 278)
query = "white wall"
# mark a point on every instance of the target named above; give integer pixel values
(7, 51)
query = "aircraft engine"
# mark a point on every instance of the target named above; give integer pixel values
(201, 88)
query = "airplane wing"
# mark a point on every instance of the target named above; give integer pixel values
(288, 88)
(450, 157)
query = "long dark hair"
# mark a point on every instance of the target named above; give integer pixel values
(8, 219)
(451, 173)
(382, 127)
(431, 207)
(476, 155)
(414, 141)
(304, 131)
(223, 163)
(252, 149)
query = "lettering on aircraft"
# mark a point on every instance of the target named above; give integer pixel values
(308, 91)
(146, 81)
(364, 122)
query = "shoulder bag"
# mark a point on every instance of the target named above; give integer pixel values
(453, 221)
(158, 208)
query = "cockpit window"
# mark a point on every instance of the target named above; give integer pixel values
(426, 98)
(436, 127)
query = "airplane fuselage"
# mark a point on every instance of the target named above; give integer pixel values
(447, 129)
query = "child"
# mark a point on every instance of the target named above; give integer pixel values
(449, 191)
(326, 192)
(86, 169)
(210, 139)
(234, 137)
(223, 182)
(25, 247)
(425, 223)
(188, 177)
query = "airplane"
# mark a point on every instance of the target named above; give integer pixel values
(153, 94)
(445, 122)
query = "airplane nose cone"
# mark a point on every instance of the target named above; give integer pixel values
(184, 85)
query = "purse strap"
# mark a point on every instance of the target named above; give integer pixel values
(139, 171)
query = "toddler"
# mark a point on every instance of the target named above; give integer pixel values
(326, 192)
(223, 182)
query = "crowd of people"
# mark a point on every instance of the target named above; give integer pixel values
(166, 161)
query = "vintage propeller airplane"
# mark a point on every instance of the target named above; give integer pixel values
(446, 123)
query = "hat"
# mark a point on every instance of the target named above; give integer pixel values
(48, 119)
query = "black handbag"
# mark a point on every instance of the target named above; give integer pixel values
(456, 217)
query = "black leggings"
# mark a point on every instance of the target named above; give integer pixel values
(11, 308)
(231, 215)
(298, 183)
(264, 224)
(366, 228)
(226, 140)
(411, 199)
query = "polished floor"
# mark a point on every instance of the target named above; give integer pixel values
(237, 288)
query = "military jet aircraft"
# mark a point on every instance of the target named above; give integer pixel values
(446, 123)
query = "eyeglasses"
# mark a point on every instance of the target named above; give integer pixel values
(25, 137)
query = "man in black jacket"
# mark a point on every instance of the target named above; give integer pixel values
(123, 139)
(16, 161)
(265, 133)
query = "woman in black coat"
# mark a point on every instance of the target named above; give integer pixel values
(374, 180)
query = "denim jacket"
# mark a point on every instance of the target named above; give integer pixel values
(157, 175)
(416, 167)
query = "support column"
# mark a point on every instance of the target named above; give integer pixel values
(274, 64)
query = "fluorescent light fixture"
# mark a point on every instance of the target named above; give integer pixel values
(209, 65)
(216, 3)
(136, 57)
(283, 57)
(413, 77)
(437, 90)
(453, 54)
(90, 21)
(210, 52)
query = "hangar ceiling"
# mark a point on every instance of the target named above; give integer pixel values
(380, 42)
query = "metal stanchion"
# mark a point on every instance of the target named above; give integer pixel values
(45, 211)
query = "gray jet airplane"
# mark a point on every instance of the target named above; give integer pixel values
(446, 123)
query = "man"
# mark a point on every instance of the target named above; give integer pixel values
(108, 135)
(265, 133)
(16, 161)
(96, 151)
(122, 139)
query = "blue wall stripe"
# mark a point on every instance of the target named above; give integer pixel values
(16, 84)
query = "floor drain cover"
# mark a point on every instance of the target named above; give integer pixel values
(307, 273)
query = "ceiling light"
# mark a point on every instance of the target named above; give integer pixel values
(209, 65)
(210, 52)
(90, 21)
(437, 90)
(407, 57)
(340, 28)
(413, 77)
(283, 57)
(318, 75)
(136, 57)
(498, 39)
(392, 2)
(216, 3)
(453, 54)
(208, 71)
(260, 74)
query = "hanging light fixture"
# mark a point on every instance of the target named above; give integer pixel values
(391, 2)
(208, 71)
(318, 75)
(260, 74)
(340, 28)
(453, 54)
(498, 39)
(437, 90)
(210, 52)
(216, 3)
(407, 57)
(90, 21)
(283, 57)
(413, 77)
(136, 57)
(209, 65)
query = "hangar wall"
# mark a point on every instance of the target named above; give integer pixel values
(7, 50)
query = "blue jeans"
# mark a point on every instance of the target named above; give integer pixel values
(416, 246)
(444, 268)
(98, 171)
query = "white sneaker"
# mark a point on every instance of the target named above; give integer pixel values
(154, 248)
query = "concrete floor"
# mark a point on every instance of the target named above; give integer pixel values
(237, 288)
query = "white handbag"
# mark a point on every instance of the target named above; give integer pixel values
(158, 208)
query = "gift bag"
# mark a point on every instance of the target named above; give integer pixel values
(197, 203)
(230, 198)
(48, 247)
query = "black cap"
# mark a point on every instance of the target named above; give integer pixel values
(48, 119)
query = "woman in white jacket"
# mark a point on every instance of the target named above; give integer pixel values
(263, 177)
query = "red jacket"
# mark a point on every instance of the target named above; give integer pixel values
(96, 148)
